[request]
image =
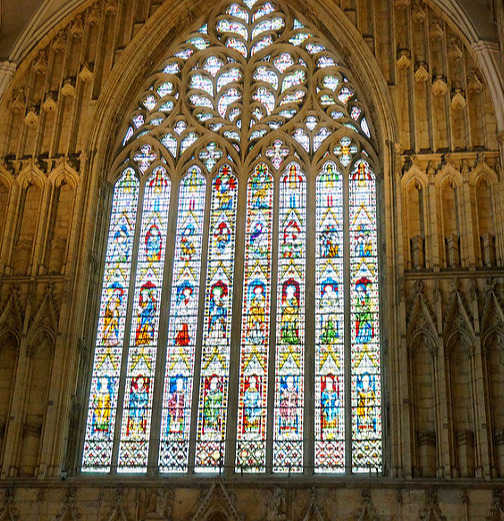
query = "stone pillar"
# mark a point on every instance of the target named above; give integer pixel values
(452, 251)
(417, 245)
(465, 453)
(30, 450)
(426, 441)
(7, 70)
(499, 452)
(488, 250)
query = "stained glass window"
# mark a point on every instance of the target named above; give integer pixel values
(365, 354)
(238, 326)
(253, 387)
(289, 356)
(178, 382)
(329, 323)
(214, 382)
(102, 410)
(141, 364)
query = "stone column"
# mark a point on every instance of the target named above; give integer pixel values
(7, 70)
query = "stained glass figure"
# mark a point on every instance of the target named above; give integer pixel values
(289, 357)
(329, 323)
(178, 382)
(365, 349)
(213, 397)
(137, 407)
(251, 435)
(102, 409)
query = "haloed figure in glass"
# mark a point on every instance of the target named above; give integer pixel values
(147, 313)
(218, 312)
(330, 242)
(225, 185)
(101, 405)
(187, 247)
(252, 404)
(121, 244)
(259, 240)
(138, 403)
(290, 312)
(366, 404)
(176, 405)
(364, 330)
(331, 404)
(260, 188)
(222, 237)
(364, 246)
(328, 307)
(289, 403)
(256, 318)
(212, 406)
(110, 332)
(291, 240)
(153, 243)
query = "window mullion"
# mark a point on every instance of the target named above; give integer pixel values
(348, 332)
(310, 329)
(271, 378)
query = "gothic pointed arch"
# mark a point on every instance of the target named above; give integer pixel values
(252, 119)
(459, 340)
(218, 504)
(492, 344)
(422, 358)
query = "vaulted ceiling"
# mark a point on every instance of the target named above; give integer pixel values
(24, 21)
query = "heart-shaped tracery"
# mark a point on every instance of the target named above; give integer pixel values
(251, 70)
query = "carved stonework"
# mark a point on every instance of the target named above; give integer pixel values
(68, 88)
(422, 72)
(70, 511)
(217, 500)
(275, 507)
(497, 510)
(439, 85)
(86, 73)
(50, 102)
(158, 505)
(431, 511)
(367, 512)
(474, 83)
(118, 511)
(32, 117)
(314, 512)
(419, 14)
(492, 318)
(12, 315)
(48, 311)
(40, 63)
(454, 51)
(9, 511)
(457, 320)
(458, 101)
(403, 58)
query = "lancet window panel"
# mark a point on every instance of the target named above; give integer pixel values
(181, 345)
(249, 169)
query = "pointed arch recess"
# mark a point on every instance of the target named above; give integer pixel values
(259, 88)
